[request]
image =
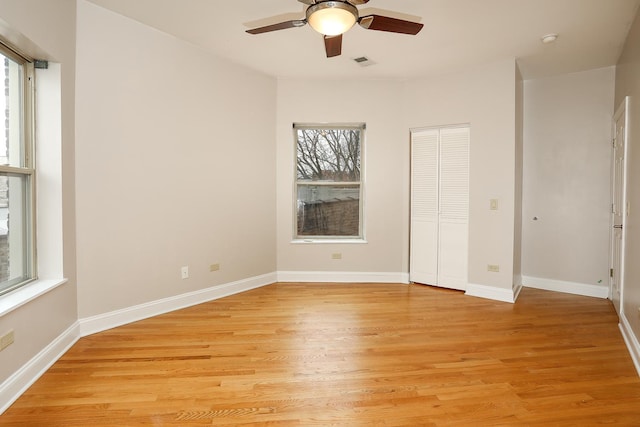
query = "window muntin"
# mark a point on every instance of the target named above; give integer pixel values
(17, 257)
(329, 185)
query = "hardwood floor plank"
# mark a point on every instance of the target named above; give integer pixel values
(348, 355)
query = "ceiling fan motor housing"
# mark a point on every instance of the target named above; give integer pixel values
(343, 13)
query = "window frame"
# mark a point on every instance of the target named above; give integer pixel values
(27, 169)
(360, 238)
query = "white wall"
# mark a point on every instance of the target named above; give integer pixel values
(485, 97)
(175, 165)
(378, 103)
(46, 30)
(628, 84)
(567, 152)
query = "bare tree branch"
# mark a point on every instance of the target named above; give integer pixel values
(328, 154)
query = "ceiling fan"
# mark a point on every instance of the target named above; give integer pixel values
(334, 18)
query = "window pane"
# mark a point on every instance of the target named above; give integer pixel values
(14, 230)
(12, 146)
(17, 256)
(328, 155)
(328, 210)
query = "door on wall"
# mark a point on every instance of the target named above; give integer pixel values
(440, 206)
(618, 206)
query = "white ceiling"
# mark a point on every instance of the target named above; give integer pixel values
(457, 34)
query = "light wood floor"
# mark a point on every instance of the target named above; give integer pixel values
(348, 355)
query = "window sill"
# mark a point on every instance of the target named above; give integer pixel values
(331, 241)
(27, 293)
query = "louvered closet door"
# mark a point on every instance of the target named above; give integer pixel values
(454, 208)
(440, 207)
(424, 207)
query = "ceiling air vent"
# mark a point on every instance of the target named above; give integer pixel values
(363, 61)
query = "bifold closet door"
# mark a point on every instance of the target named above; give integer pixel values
(440, 206)
(424, 206)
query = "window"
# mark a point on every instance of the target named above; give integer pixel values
(329, 183)
(17, 264)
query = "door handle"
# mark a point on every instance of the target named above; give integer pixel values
(618, 226)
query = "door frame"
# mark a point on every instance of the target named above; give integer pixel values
(622, 110)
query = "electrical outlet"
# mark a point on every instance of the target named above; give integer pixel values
(6, 340)
(493, 268)
(214, 267)
(336, 255)
(184, 272)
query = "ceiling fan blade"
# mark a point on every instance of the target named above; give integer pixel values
(392, 25)
(356, 2)
(279, 26)
(333, 45)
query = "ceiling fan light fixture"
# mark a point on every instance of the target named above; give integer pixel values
(332, 18)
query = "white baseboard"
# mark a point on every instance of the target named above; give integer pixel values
(102, 322)
(631, 341)
(13, 387)
(342, 277)
(566, 287)
(491, 292)
(517, 288)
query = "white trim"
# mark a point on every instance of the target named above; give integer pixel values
(631, 341)
(26, 293)
(358, 241)
(102, 322)
(566, 287)
(13, 387)
(517, 288)
(342, 277)
(491, 292)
